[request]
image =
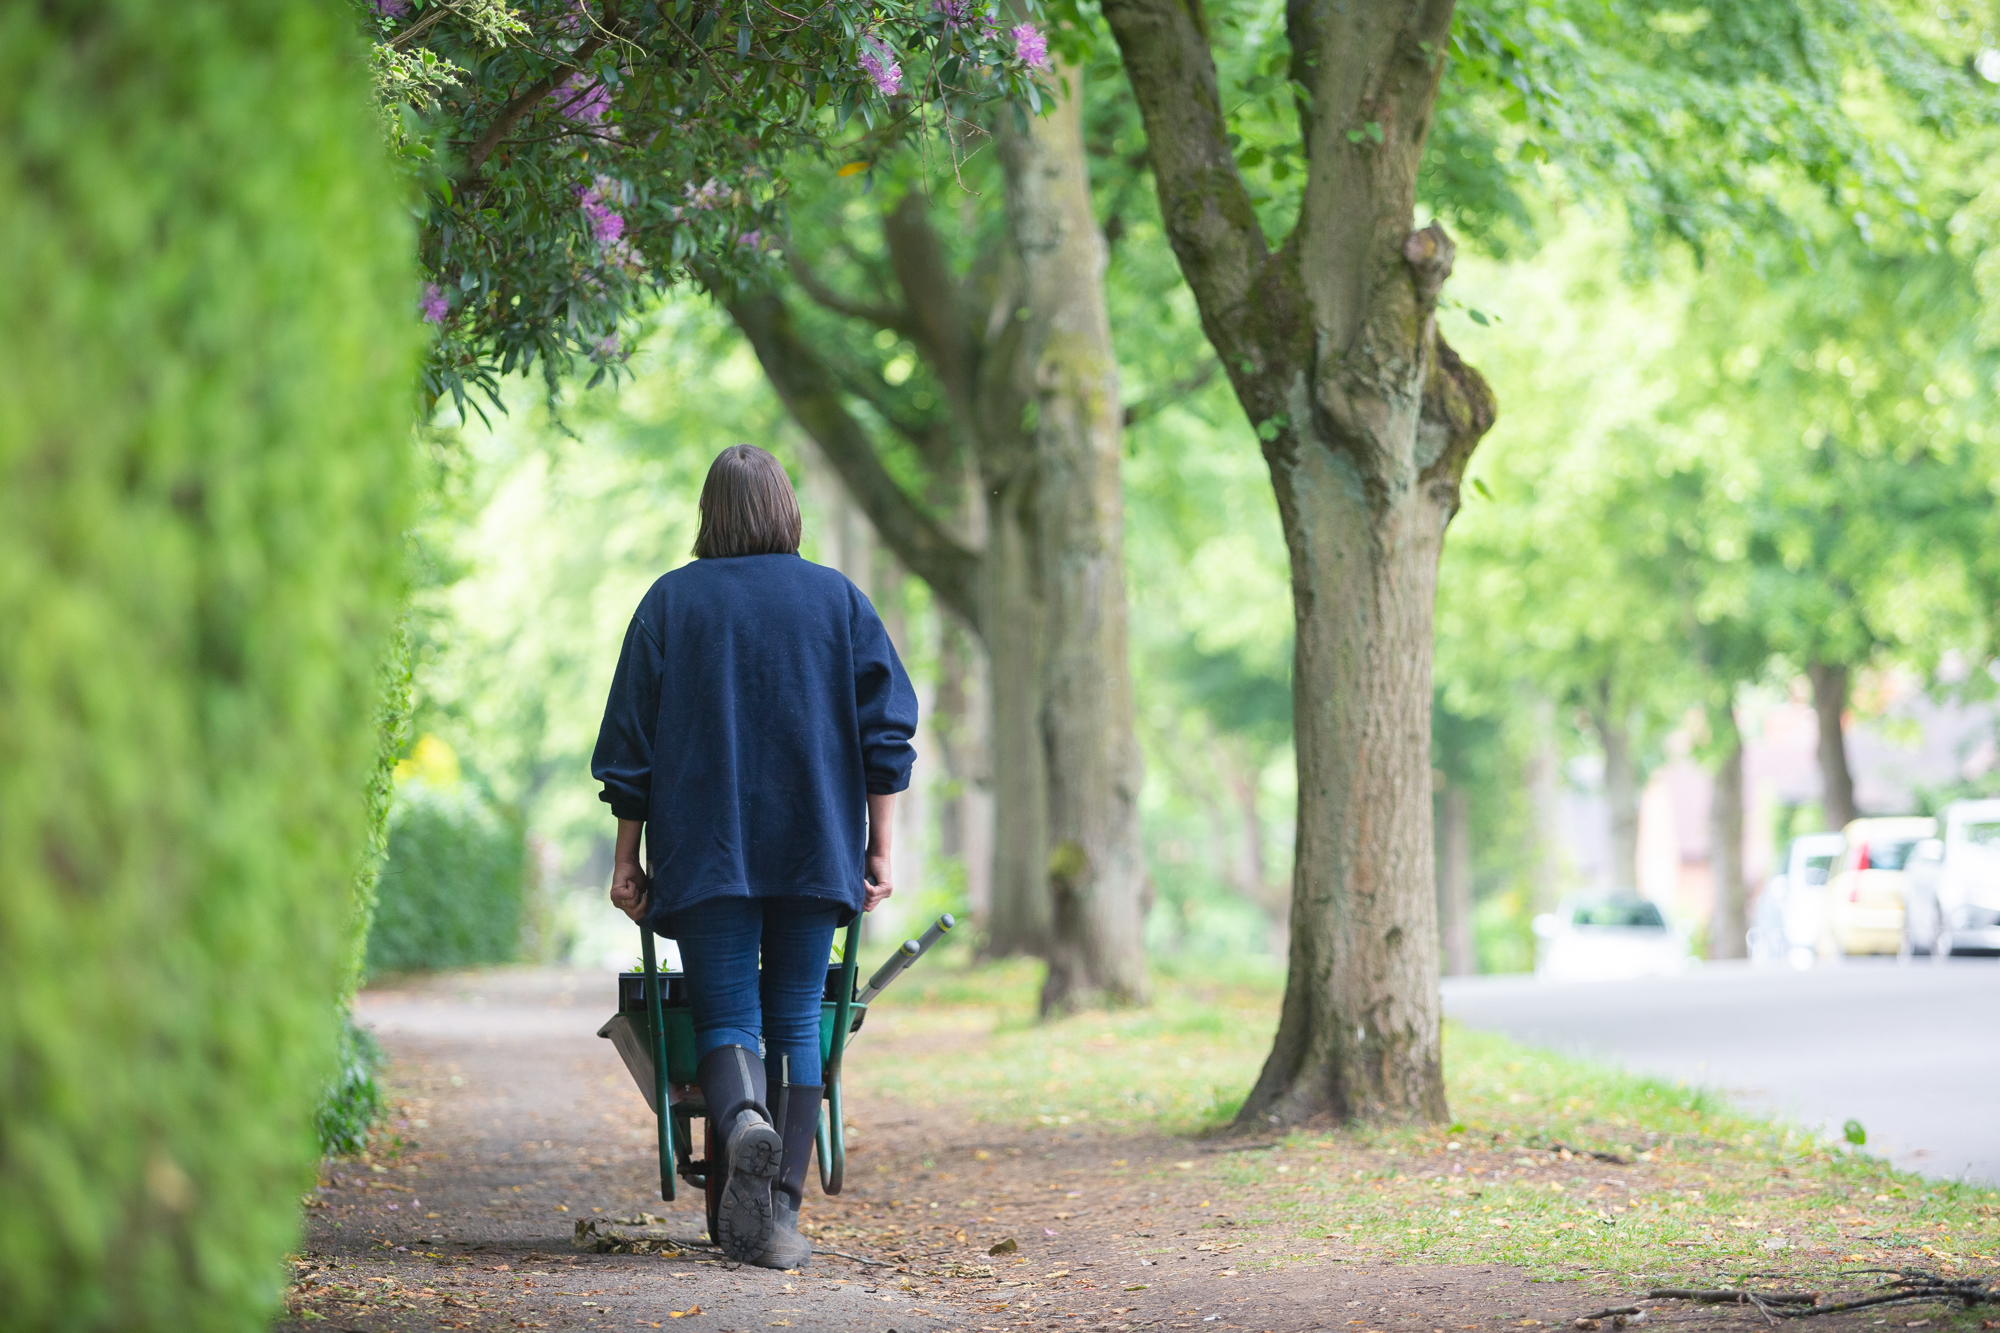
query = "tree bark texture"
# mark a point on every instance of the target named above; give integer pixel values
(1022, 353)
(1621, 791)
(1830, 686)
(1066, 366)
(1454, 811)
(1730, 924)
(1367, 419)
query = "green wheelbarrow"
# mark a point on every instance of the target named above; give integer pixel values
(653, 1032)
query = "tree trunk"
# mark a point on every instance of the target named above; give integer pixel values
(961, 719)
(1367, 419)
(1022, 918)
(1542, 776)
(1730, 923)
(1066, 366)
(1829, 687)
(1455, 881)
(1621, 791)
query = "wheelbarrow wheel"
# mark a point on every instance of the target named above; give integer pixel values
(712, 1178)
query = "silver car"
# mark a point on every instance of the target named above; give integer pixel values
(1954, 884)
(1608, 937)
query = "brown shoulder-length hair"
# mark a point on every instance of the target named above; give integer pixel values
(747, 506)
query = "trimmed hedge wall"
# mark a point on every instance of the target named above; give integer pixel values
(451, 889)
(207, 361)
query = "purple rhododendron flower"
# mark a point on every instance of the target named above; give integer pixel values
(433, 304)
(955, 11)
(1031, 46)
(582, 99)
(606, 223)
(390, 9)
(879, 63)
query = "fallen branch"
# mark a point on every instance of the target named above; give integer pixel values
(1732, 1296)
(1913, 1286)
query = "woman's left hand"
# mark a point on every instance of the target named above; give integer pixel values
(876, 888)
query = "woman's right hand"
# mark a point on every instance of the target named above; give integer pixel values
(876, 888)
(629, 890)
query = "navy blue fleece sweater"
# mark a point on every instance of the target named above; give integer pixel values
(757, 703)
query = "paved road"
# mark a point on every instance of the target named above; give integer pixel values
(1912, 1052)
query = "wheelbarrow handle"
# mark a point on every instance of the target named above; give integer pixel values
(909, 952)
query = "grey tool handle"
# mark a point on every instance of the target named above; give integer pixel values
(906, 953)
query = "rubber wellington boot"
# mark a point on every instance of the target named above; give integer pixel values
(732, 1081)
(798, 1118)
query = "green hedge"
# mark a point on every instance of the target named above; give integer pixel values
(207, 353)
(451, 889)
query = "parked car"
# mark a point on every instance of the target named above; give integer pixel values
(1607, 937)
(1954, 884)
(1864, 898)
(1791, 911)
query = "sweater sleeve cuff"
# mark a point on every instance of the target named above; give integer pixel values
(623, 806)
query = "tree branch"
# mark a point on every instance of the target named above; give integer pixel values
(811, 393)
(1208, 214)
(882, 316)
(524, 102)
(1155, 403)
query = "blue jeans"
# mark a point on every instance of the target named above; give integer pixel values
(733, 1002)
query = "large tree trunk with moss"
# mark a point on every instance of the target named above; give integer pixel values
(1024, 362)
(1729, 925)
(1067, 368)
(1367, 419)
(1829, 687)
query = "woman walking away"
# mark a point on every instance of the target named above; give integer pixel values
(758, 730)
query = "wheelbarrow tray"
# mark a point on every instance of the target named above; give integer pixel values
(631, 1031)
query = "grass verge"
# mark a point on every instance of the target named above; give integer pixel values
(1558, 1166)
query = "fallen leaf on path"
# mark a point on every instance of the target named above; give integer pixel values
(1137, 1286)
(1007, 1246)
(682, 1314)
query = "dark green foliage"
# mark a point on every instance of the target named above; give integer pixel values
(451, 890)
(353, 1101)
(207, 348)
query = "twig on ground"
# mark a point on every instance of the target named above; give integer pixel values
(1238, 1147)
(1619, 1315)
(842, 1254)
(1557, 1145)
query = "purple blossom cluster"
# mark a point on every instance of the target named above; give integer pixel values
(607, 225)
(1031, 46)
(390, 9)
(582, 99)
(878, 62)
(433, 304)
(956, 12)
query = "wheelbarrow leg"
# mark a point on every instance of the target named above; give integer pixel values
(655, 1011)
(831, 1139)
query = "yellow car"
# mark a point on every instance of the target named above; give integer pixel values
(1864, 898)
